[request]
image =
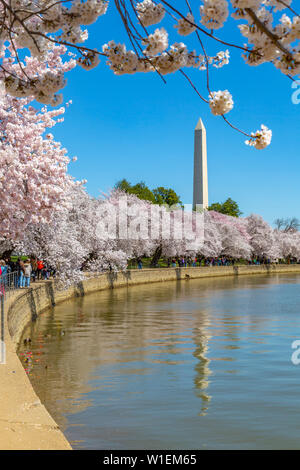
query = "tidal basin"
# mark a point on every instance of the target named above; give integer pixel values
(196, 364)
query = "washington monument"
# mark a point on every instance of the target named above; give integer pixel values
(200, 194)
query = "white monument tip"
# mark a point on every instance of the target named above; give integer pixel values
(200, 126)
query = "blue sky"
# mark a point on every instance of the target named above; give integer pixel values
(138, 128)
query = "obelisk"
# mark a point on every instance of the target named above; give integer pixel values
(200, 195)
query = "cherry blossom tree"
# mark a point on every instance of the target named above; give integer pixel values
(235, 239)
(72, 242)
(103, 234)
(58, 244)
(212, 246)
(288, 243)
(33, 166)
(270, 33)
(262, 240)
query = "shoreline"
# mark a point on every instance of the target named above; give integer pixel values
(24, 421)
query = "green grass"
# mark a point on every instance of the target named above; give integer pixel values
(15, 258)
(163, 263)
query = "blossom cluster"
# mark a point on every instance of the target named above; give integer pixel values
(214, 13)
(220, 102)
(120, 60)
(261, 138)
(29, 28)
(41, 80)
(184, 26)
(150, 13)
(156, 42)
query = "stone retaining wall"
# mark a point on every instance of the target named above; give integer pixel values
(31, 302)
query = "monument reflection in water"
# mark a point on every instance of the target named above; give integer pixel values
(190, 364)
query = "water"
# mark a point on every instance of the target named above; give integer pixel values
(199, 364)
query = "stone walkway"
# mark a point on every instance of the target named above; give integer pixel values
(24, 421)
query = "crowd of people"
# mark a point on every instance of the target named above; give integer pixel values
(193, 262)
(219, 261)
(189, 262)
(23, 271)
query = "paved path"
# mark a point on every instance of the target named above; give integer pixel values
(24, 421)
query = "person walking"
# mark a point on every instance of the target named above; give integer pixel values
(140, 264)
(27, 273)
(21, 272)
(16, 270)
(4, 267)
(4, 273)
(2, 289)
(34, 265)
(9, 265)
(40, 267)
(44, 272)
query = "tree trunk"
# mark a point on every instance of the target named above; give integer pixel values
(7, 254)
(156, 257)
